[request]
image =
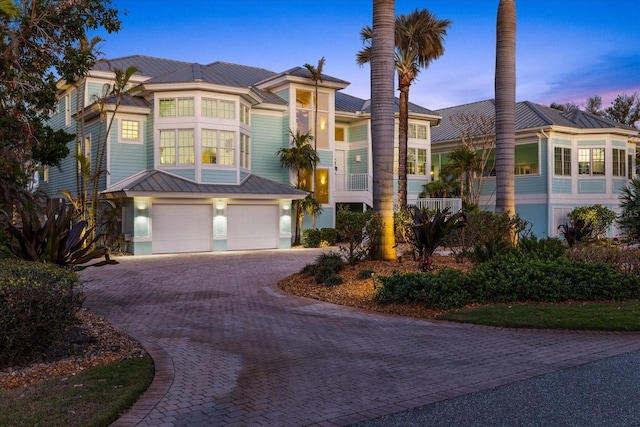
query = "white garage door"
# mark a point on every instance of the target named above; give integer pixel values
(252, 227)
(181, 228)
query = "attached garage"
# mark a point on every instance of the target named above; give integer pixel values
(182, 228)
(252, 227)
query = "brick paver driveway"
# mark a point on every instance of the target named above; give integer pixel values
(231, 349)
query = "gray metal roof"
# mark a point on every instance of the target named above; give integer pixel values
(529, 115)
(147, 65)
(159, 183)
(350, 104)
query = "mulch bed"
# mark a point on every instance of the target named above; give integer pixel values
(92, 342)
(360, 293)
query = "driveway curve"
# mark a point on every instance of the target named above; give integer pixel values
(231, 349)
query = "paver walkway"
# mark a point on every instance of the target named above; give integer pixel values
(231, 349)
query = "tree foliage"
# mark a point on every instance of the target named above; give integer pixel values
(39, 43)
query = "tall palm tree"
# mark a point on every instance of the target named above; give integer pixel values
(301, 158)
(419, 39)
(505, 92)
(382, 123)
(316, 76)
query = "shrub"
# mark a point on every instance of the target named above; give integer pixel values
(430, 231)
(576, 231)
(359, 230)
(37, 303)
(311, 238)
(629, 220)
(365, 274)
(545, 248)
(626, 259)
(326, 265)
(599, 218)
(484, 236)
(329, 236)
(333, 280)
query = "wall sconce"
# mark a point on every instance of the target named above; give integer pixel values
(142, 210)
(323, 125)
(323, 180)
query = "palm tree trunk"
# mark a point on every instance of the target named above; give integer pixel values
(505, 92)
(382, 123)
(403, 136)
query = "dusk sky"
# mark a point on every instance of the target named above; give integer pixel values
(567, 50)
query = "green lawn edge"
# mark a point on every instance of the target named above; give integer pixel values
(587, 316)
(95, 397)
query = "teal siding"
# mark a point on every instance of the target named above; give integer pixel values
(326, 158)
(357, 133)
(561, 186)
(489, 186)
(126, 159)
(619, 144)
(141, 248)
(285, 243)
(557, 141)
(323, 220)
(269, 134)
(589, 143)
(284, 95)
(94, 89)
(219, 176)
(415, 186)
(618, 184)
(243, 175)
(185, 173)
(362, 165)
(592, 186)
(536, 215)
(148, 141)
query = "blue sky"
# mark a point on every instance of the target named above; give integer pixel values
(567, 50)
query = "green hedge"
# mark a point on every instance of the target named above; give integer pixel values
(37, 303)
(511, 278)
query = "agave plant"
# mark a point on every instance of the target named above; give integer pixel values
(575, 231)
(57, 240)
(431, 229)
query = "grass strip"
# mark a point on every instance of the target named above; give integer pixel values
(95, 397)
(592, 316)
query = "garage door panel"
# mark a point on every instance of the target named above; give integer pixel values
(181, 228)
(252, 227)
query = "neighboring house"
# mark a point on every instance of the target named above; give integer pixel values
(191, 160)
(562, 160)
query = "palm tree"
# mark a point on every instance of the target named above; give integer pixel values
(505, 91)
(382, 123)
(301, 158)
(419, 39)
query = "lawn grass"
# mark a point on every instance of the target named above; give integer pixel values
(95, 397)
(592, 316)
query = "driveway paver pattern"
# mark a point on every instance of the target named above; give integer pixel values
(231, 349)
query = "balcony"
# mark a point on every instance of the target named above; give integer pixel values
(433, 204)
(353, 188)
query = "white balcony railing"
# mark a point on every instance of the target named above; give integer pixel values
(353, 182)
(433, 204)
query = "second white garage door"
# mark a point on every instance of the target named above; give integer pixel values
(252, 227)
(181, 228)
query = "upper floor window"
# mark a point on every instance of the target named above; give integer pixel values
(181, 107)
(306, 107)
(416, 161)
(218, 108)
(339, 134)
(218, 147)
(562, 161)
(176, 146)
(590, 161)
(244, 114)
(619, 162)
(417, 131)
(130, 130)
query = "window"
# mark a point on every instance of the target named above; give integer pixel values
(227, 148)
(185, 107)
(416, 161)
(303, 111)
(245, 154)
(562, 161)
(130, 130)
(591, 161)
(417, 131)
(209, 146)
(218, 108)
(176, 145)
(244, 114)
(45, 173)
(619, 162)
(322, 186)
(339, 134)
(630, 166)
(167, 108)
(526, 159)
(185, 147)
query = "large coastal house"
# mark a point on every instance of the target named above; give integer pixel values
(562, 160)
(191, 155)
(192, 165)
